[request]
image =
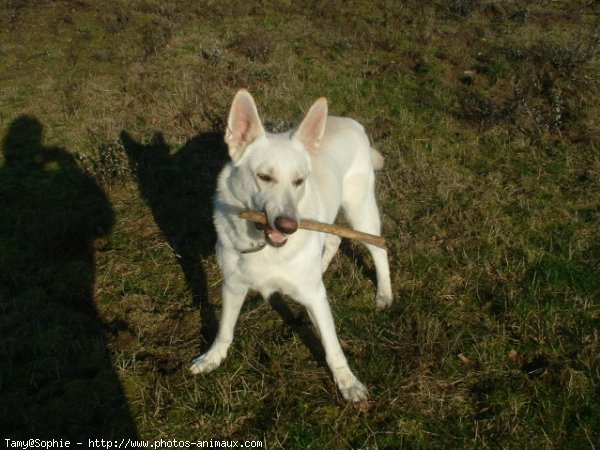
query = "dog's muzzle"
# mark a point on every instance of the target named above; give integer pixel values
(277, 237)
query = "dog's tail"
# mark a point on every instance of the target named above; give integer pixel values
(377, 159)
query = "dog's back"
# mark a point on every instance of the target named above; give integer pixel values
(344, 164)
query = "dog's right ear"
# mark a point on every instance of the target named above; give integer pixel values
(311, 130)
(243, 125)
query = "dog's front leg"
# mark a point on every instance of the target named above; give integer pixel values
(233, 298)
(320, 313)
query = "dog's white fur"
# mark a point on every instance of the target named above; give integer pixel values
(307, 173)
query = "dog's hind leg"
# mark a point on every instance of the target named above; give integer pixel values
(384, 285)
(233, 298)
(332, 243)
(361, 210)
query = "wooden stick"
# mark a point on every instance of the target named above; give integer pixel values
(259, 217)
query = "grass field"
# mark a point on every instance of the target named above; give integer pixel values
(488, 114)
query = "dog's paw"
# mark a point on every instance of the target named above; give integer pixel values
(206, 363)
(383, 301)
(351, 388)
(356, 393)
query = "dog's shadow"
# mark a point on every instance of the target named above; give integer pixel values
(179, 187)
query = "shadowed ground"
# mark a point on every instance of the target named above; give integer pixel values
(56, 375)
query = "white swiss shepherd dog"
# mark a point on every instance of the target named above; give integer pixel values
(305, 173)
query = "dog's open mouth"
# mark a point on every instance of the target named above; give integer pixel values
(273, 237)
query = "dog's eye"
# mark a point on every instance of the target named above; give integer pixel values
(298, 182)
(264, 177)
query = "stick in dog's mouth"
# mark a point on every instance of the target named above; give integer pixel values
(260, 219)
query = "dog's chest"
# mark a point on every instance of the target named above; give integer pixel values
(274, 270)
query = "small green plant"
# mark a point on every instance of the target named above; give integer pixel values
(107, 164)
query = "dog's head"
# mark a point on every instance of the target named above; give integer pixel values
(270, 170)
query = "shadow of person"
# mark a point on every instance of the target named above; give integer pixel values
(179, 188)
(56, 376)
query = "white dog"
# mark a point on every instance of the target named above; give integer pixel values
(305, 173)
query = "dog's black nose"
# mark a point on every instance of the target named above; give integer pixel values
(286, 225)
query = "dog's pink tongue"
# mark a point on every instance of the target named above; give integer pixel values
(276, 237)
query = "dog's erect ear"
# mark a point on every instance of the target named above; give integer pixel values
(243, 124)
(310, 132)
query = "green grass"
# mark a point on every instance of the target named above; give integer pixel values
(111, 116)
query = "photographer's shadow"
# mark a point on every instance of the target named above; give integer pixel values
(178, 187)
(56, 375)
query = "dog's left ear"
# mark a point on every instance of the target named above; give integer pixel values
(243, 124)
(311, 130)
